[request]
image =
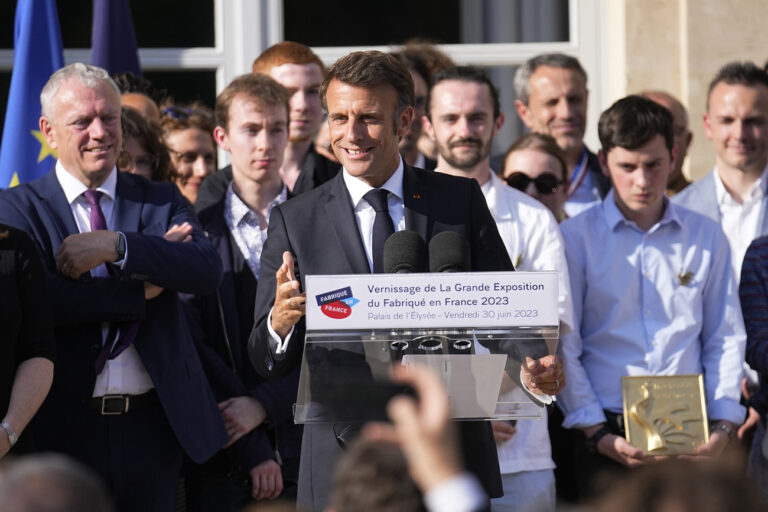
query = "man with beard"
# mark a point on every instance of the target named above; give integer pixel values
(463, 117)
(298, 69)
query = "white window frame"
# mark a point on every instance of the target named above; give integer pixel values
(245, 28)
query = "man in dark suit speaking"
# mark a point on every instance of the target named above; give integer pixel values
(128, 395)
(337, 229)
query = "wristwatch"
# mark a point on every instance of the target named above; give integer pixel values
(596, 437)
(12, 437)
(120, 247)
(725, 428)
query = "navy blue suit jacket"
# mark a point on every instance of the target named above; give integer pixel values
(143, 211)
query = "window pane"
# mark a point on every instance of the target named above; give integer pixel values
(7, 13)
(186, 86)
(5, 85)
(352, 23)
(173, 24)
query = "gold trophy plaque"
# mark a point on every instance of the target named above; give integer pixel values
(665, 415)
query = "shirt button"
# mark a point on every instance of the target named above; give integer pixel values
(647, 311)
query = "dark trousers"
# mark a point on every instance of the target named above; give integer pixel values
(221, 486)
(137, 455)
(563, 442)
(596, 473)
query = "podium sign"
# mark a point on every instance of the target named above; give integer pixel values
(461, 299)
(474, 329)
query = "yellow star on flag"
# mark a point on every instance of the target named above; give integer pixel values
(45, 149)
(14, 180)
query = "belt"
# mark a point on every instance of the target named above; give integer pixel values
(111, 405)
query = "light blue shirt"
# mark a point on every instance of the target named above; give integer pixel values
(661, 302)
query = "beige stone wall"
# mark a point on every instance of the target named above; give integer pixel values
(678, 46)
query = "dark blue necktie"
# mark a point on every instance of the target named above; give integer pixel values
(382, 226)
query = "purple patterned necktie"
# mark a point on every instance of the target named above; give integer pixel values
(124, 332)
(97, 216)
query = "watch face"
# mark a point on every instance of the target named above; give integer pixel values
(120, 246)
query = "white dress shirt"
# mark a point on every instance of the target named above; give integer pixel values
(533, 241)
(461, 493)
(125, 374)
(364, 212)
(656, 302)
(741, 222)
(244, 225)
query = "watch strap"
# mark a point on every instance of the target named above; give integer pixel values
(596, 437)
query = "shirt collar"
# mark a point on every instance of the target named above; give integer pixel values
(239, 210)
(74, 188)
(615, 218)
(759, 188)
(358, 188)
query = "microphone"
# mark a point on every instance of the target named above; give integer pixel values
(405, 253)
(449, 252)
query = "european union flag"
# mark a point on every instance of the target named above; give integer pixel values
(37, 53)
(112, 37)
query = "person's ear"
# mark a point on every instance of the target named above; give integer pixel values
(220, 136)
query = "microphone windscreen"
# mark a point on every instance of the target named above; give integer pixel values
(405, 252)
(449, 252)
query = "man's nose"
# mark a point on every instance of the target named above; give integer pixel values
(97, 129)
(299, 101)
(564, 109)
(462, 127)
(355, 130)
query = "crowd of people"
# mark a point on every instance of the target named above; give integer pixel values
(155, 309)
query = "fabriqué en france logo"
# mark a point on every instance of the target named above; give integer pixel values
(337, 303)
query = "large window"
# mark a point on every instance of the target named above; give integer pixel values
(193, 48)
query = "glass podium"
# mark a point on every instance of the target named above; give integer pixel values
(474, 329)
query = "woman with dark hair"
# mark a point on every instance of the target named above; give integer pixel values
(143, 152)
(188, 134)
(26, 337)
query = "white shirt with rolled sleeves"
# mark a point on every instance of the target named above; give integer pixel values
(661, 302)
(532, 238)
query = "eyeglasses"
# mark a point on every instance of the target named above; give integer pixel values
(184, 113)
(545, 183)
(143, 162)
(190, 157)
